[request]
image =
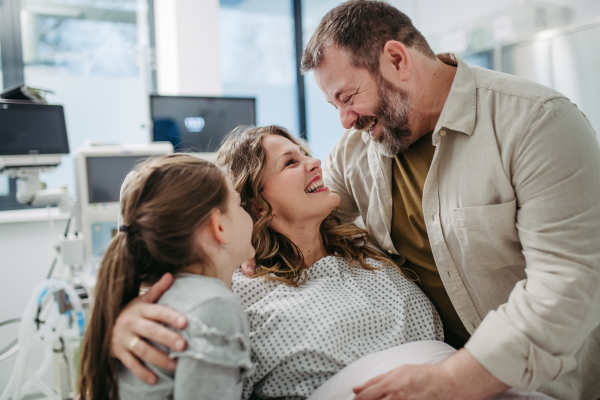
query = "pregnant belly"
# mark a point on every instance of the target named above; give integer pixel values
(423, 352)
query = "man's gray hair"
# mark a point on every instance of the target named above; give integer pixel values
(361, 28)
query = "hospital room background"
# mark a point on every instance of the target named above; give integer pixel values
(126, 72)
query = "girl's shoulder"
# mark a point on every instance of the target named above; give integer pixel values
(190, 291)
(217, 330)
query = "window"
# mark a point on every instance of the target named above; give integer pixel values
(322, 120)
(4, 182)
(257, 55)
(91, 54)
(1, 76)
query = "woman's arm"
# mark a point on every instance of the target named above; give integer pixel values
(142, 319)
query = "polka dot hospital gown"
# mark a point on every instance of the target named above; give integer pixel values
(302, 336)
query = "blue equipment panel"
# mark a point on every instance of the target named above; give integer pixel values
(102, 234)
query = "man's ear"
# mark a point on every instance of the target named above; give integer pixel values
(256, 209)
(395, 61)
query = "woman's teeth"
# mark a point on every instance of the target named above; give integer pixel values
(315, 186)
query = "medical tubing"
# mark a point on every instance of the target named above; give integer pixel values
(44, 365)
(80, 323)
(27, 330)
(51, 394)
(7, 351)
(10, 321)
(4, 395)
(14, 377)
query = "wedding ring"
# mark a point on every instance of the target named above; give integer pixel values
(133, 342)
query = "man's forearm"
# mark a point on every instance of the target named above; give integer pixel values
(471, 377)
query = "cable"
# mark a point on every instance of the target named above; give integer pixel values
(52, 267)
(56, 256)
(68, 223)
(13, 347)
(10, 321)
(9, 350)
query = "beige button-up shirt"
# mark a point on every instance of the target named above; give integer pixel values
(512, 208)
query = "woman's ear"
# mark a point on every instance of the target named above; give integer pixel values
(256, 209)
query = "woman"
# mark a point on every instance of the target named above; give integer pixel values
(322, 298)
(182, 216)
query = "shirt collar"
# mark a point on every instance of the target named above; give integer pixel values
(459, 111)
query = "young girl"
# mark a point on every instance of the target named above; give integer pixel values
(182, 216)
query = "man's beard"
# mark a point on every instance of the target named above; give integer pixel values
(392, 113)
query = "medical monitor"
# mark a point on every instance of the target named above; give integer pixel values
(100, 172)
(106, 174)
(31, 135)
(199, 124)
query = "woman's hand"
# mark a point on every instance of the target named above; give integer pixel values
(459, 377)
(140, 319)
(249, 267)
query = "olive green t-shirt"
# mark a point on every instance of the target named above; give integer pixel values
(409, 234)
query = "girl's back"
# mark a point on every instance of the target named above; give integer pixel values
(217, 351)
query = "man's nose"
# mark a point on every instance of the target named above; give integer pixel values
(347, 117)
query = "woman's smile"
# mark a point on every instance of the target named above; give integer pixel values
(316, 185)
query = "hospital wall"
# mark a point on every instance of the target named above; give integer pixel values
(116, 109)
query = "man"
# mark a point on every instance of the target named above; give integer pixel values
(488, 185)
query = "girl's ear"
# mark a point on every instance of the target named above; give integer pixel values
(256, 209)
(216, 227)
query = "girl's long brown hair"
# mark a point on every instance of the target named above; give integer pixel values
(162, 206)
(277, 257)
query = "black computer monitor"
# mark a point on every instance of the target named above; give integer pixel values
(31, 129)
(198, 124)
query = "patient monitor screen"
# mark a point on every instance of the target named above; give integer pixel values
(105, 176)
(32, 129)
(198, 124)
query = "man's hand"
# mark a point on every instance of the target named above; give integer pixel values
(459, 377)
(140, 319)
(429, 382)
(249, 267)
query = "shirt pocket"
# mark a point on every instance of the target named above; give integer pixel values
(488, 237)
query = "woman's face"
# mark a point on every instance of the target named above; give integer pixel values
(293, 185)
